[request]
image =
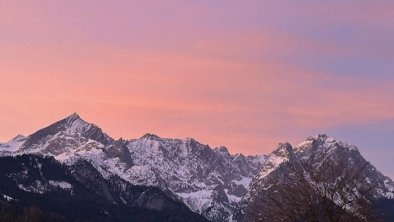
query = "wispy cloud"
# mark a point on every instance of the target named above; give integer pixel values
(242, 74)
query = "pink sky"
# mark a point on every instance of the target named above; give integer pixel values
(244, 74)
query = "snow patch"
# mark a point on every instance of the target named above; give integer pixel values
(7, 198)
(244, 181)
(272, 162)
(232, 198)
(385, 194)
(36, 187)
(389, 185)
(14, 144)
(61, 184)
(197, 201)
(141, 175)
(304, 144)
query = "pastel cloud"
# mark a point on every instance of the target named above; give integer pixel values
(242, 74)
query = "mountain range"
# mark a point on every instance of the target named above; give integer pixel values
(73, 164)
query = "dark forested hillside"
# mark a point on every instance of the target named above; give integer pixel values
(34, 188)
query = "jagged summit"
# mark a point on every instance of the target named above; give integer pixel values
(323, 143)
(318, 141)
(155, 137)
(321, 138)
(75, 124)
(73, 116)
(70, 132)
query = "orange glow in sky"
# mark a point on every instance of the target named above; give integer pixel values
(245, 75)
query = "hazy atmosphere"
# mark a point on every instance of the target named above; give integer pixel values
(243, 74)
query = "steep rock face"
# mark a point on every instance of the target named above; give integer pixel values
(209, 181)
(196, 173)
(323, 168)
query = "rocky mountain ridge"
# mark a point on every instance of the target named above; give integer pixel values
(330, 171)
(212, 182)
(209, 181)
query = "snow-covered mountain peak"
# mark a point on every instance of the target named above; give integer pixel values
(67, 135)
(323, 144)
(74, 124)
(313, 151)
(73, 116)
(318, 139)
(318, 162)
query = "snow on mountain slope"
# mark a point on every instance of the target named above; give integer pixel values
(13, 145)
(278, 156)
(191, 169)
(321, 149)
(323, 163)
(65, 135)
(210, 181)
